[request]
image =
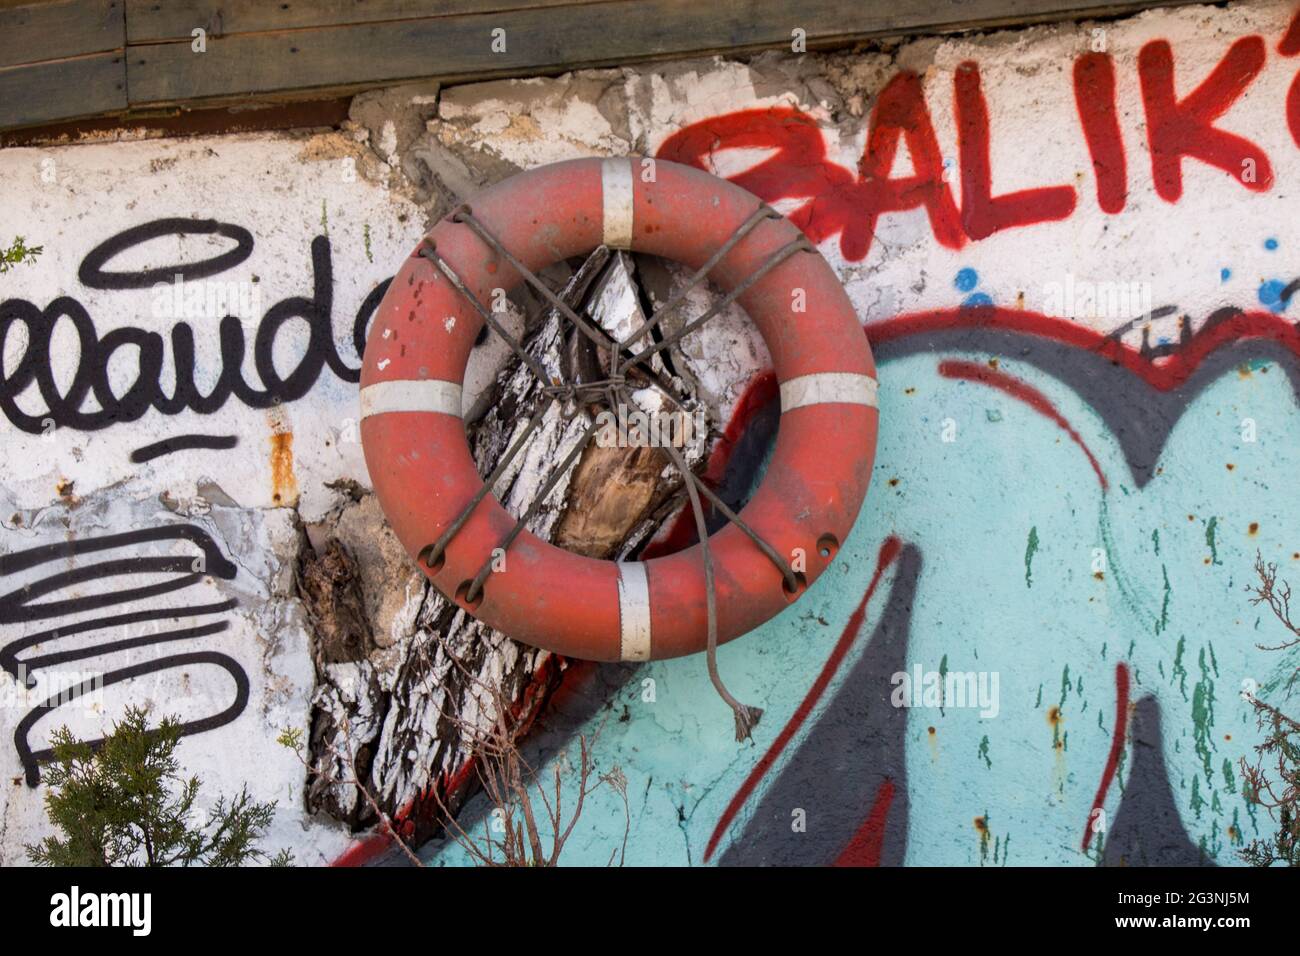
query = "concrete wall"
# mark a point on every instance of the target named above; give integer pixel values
(1069, 247)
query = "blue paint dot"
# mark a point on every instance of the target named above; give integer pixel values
(1225, 274)
(979, 298)
(1270, 294)
(966, 279)
(1270, 244)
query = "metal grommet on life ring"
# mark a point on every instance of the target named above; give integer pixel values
(424, 475)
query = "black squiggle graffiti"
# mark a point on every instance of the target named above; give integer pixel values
(32, 759)
(23, 605)
(95, 352)
(1144, 321)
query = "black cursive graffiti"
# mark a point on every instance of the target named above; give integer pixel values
(24, 605)
(90, 378)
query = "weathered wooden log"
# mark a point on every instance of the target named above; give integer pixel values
(389, 710)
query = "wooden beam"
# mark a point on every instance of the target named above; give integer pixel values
(62, 90)
(177, 121)
(65, 59)
(153, 21)
(538, 39)
(35, 32)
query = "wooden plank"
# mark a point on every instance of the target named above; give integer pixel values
(35, 32)
(537, 40)
(152, 21)
(63, 89)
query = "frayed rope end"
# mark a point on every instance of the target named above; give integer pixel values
(747, 719)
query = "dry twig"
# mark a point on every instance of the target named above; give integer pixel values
(514, 833)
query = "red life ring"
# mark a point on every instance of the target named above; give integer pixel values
(422, 470)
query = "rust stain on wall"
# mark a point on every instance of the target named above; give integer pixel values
(284, 485)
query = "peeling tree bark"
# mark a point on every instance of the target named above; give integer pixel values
(396, 720)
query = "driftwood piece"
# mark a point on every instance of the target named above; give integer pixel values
(395, 718)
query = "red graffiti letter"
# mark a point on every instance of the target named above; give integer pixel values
(900, 111)
(982, 213)
(1289, 45)
(1094, 93)
(798, 170)
(839, 203)
(1178, 128)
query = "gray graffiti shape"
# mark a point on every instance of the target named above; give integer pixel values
(857, 744)
(1148, 830)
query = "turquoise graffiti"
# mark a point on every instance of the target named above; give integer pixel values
(1055, 516)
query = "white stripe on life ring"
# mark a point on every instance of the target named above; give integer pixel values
(616, 192)
(845, 388)
(411, 395)
(633, 611)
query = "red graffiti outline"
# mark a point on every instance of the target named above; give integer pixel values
(1164, 373)
(1161, 373)
(1024, 392)
(1116, 748)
